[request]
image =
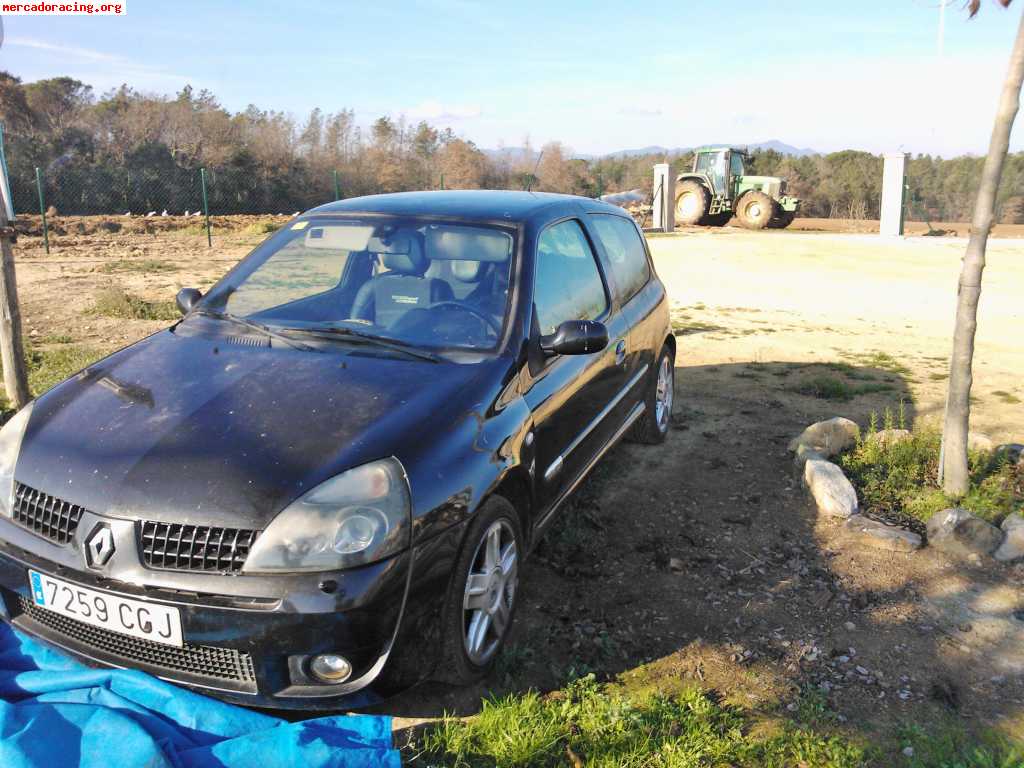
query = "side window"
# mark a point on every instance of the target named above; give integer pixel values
(626, 253)
(567, 284)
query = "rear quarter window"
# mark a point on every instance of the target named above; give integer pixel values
(626, 254)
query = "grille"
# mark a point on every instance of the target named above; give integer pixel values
(178, 547)
(45, 515)
(202, 660)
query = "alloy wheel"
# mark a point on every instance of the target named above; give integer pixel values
(663, 394)
(490, 592)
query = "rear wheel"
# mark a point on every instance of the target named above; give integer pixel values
(652, 426)
(755, 210)
(691, 202)
(481, 598)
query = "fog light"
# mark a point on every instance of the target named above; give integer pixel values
(330, 668)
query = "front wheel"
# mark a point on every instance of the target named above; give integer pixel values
(652, 426)
(481, 598)
(755, 210)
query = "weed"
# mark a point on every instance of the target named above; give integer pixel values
(262, 228)
(56, 338)
(899, 478)
(696, 326)
(826, 388)
(144, 266)
(1006, 397)
(46, 367)
(116, 302)
(597, 726)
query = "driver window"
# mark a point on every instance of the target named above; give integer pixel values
(567, 283)
(736, 164)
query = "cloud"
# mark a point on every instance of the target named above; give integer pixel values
(86, 54)
(630, 111)
(433, 110)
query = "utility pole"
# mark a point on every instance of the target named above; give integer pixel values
(11, 351)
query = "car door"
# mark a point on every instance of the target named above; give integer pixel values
(634, 291)
(571, 396)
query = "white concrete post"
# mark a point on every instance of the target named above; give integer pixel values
(664, 198)
(894, 186)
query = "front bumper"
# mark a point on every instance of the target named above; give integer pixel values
(247, 639)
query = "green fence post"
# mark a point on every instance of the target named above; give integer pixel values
(206, 207)
(442, 181)
(42, 209)
(337, 186)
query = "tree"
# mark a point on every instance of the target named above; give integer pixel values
(954, 472)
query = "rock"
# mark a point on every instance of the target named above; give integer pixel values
(676, 565)
(888, 437)
(828, 437)
(976, 441)
(832, 492)
(908, 751)
(872, 533)
(849, 626)
(1012, 547)
(1014, 453)
(958, 533)
(805, 453)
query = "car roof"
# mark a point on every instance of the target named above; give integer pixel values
(471, 204)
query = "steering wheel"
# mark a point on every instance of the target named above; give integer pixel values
(488, 321)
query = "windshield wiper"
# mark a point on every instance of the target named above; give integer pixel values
(370, 338)
(258, 327)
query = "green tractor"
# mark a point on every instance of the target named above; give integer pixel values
(717, 188)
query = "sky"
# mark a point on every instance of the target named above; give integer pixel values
(598, 76)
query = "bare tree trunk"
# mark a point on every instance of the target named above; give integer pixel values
(11, 351)
(958, 400)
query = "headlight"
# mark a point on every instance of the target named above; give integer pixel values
(358, 517)
(10, 446)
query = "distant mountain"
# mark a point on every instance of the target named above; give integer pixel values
(778, 146)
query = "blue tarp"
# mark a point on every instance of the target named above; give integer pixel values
(56, 712)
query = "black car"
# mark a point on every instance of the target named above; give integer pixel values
(317, 487)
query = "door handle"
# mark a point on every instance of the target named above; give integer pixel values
(620, 352)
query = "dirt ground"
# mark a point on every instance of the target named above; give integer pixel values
(702, 561)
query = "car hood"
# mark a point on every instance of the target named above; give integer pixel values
(199, 430)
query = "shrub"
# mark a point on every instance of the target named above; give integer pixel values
(116, 302)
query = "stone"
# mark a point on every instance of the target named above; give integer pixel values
(832, 492)
(676, 565)
(1012, 547)
(958, 533)
(878, 535)
(828, 437)
(976, 441)
(888, 437)
(1014, 453)
(805, 453)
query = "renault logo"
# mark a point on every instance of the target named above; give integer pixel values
(99, 547)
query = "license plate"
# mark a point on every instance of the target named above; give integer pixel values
(149, 621)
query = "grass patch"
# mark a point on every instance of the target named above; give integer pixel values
(56, 338)
(592, 725)
(144, 266)
(46, 367)
(899, 478)
(1006, 397)
(262, 228)
(116, 302)
(880, 360)
(834, 388)
(684, 328)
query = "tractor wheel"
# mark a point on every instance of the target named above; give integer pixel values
(718, 220)
(755, 210)
(691, 202)
(783, 220)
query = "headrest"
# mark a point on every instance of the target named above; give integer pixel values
(455, 243)
(467, 271)
(404, 255)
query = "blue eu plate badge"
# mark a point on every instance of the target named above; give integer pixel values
(37, 589)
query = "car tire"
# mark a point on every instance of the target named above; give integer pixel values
(653, 425)
(691, 202)
(755, 210)
(465, 661)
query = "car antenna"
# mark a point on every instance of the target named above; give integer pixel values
(529, 181)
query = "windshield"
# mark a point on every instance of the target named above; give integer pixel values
(423, 283)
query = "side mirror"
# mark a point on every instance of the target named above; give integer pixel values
(575, 337)
(186, 299)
